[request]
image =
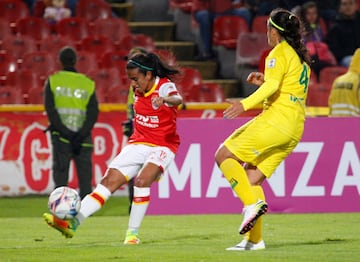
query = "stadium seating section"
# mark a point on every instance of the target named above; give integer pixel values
(10, 95)
(249, 47)
(92, 10)
(259, 24)
(226, 30)
(34, 27)
(29, 47)
(12, 10)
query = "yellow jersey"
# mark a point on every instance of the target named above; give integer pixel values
(344, 99)
(284, 91)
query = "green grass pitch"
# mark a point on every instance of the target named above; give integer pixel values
(24, 236)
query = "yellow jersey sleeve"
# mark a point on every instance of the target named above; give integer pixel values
(275, 67)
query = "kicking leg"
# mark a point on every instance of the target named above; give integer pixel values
(112, 180)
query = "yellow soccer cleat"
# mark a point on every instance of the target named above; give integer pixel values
(131, 237)
(66, 227)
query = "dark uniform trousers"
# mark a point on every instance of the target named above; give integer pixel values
(62, 155)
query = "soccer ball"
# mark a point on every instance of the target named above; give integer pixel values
(64, 202)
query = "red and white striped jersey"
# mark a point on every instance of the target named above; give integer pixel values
(156, 126)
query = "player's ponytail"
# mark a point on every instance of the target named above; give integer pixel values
(290, 28)
(151, 62)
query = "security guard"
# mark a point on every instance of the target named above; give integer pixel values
(344, 99)
(72, 109)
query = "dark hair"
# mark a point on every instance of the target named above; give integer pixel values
(290, 28)
(136, 50)
(304, 9)
(151, 62)
(67, 56)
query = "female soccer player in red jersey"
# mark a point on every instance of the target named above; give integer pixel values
(150, 148)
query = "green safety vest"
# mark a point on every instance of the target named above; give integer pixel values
(72, 92)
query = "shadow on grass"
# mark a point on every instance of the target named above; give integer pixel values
(183, 237)
(327, 241)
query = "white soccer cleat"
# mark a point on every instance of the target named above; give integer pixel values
(247, 245)
(251, 214)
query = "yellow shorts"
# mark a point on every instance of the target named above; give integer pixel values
(260, 144)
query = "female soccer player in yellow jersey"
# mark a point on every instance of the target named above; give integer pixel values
(253, 152)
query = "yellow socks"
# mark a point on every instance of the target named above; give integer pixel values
(237, 177)
(256, 232)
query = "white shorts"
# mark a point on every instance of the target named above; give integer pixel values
(133, 156)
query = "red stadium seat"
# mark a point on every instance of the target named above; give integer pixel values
(190, 83)
(8, 63)
(34, 27)
(24, 80)
(226, 30)
(86, 61)
(53, 43)
(39, 8)
(105, 78)
(76, 28)
(113, 59)
(125, 44)
(114, 28)
(189, 91)
(101, 96)
(313, 78)
(5, 29)
(263, 55)
(97, 45)
(249, 48)
(167, 56)
(259, 24)
(19, 45)
(211, 92)
(92, 10)
(10, 95)
(12, 10)
(36, 95)
(191, 74)
(318, 94)
(184, 5)
(116, 59)
(328, 74)
(118, 94)
(143, 41)
(41, 63)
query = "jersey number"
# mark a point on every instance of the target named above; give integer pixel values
(304, 78)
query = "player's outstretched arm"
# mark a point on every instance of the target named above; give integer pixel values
(173, 100)
(235, 109)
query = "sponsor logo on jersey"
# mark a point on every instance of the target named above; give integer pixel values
(271, 63)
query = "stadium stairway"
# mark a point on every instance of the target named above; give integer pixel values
(123, 10)
(162, 28)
